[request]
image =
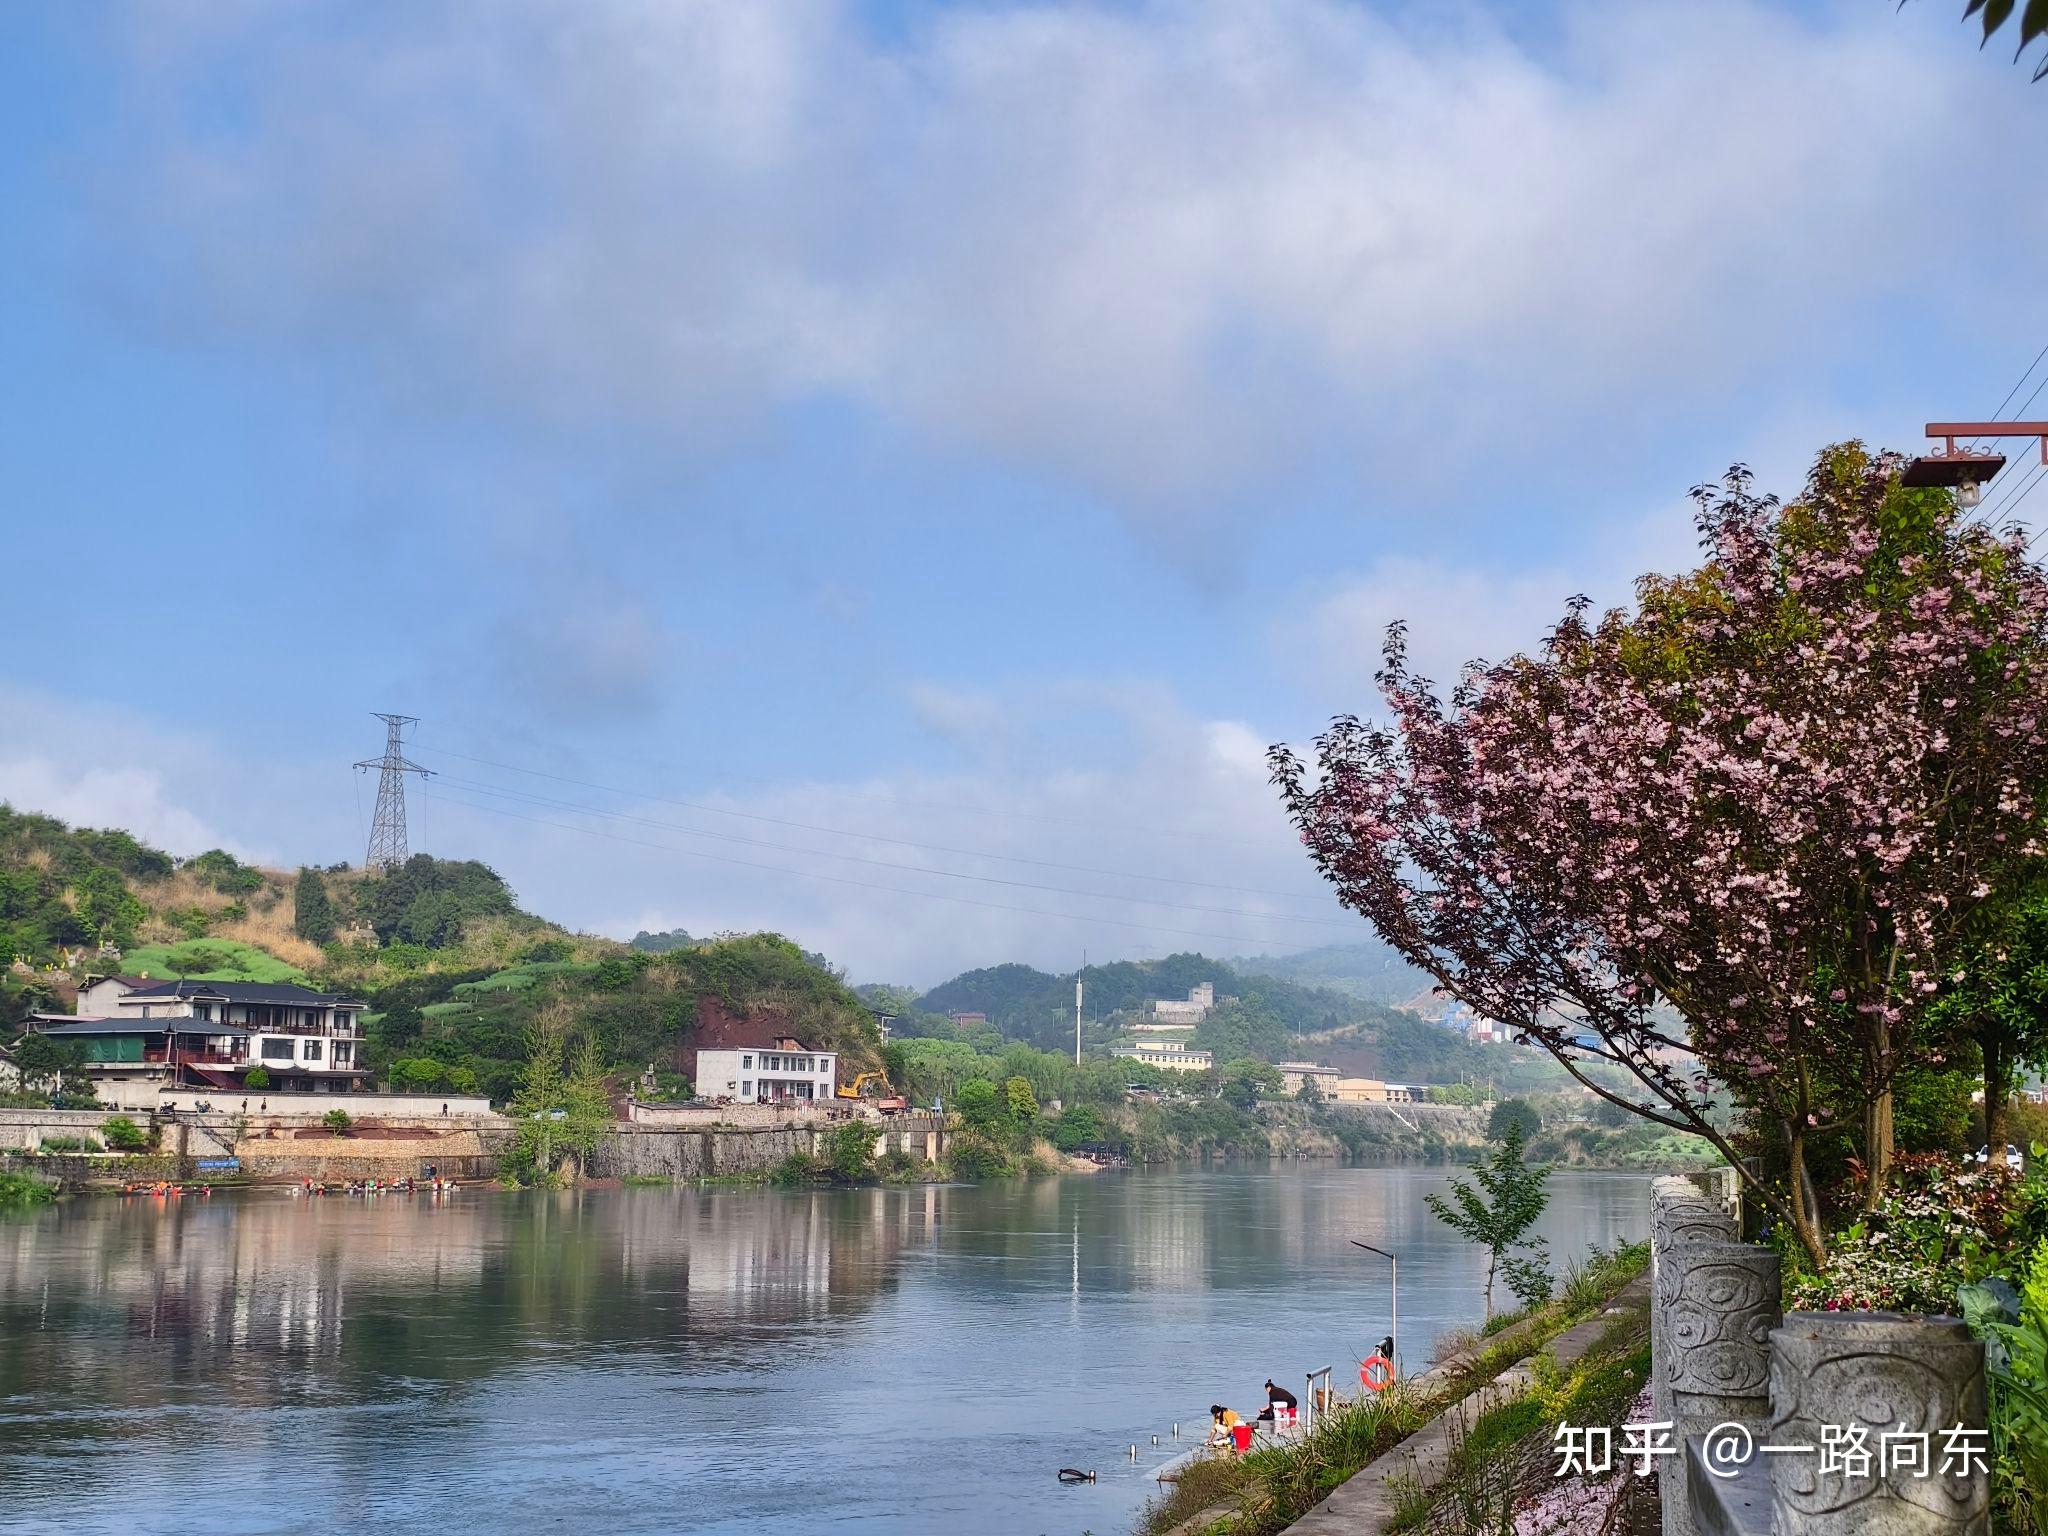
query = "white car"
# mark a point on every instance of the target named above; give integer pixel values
(2013, 1160)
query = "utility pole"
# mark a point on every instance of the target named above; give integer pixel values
(387, 827)
(1077, 1008)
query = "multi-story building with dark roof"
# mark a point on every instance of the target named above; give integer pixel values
(146, 1036)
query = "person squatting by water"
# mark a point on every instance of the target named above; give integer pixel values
(1278, 1398)
(1222, 1421)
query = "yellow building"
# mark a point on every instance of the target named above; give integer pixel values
(1359, 1090)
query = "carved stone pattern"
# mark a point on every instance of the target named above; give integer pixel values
(1887, 1373)
(1720, 1303)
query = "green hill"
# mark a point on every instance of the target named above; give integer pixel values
(1368, 969)
(454, 971)
(1257, 1015)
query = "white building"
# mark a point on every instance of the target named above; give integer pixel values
(777, 1070)
(1199, 1001)
(145, 1037)
(1170, 1054)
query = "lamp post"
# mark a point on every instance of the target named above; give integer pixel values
(1963, 468)
(1394, 1329)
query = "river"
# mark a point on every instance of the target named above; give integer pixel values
(915, 1360)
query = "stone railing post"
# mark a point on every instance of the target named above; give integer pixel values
(1719, 1302)
(1856, 1378)
(1679, 1216)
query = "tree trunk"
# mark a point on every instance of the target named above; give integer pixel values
(1997, 1088)
(1877, 1148)
(1492, 1259)
(1877, 1123)
(1805, 1212)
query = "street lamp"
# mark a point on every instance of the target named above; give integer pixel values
(1394, 1329)
(1963, 468)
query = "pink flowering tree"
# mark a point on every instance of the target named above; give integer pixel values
(1729, 839)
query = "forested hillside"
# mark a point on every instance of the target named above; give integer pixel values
(454, 971)
(1265, 1018)
(1037, 1006)
(1368, 969)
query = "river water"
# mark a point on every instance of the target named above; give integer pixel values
(706, 1360)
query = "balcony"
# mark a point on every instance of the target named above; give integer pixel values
(195, 1058)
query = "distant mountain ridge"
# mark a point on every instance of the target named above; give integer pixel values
(1370, 969)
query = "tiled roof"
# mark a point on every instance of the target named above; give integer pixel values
(277, 993)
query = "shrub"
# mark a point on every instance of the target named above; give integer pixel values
(1077, 1126)
(68, 1144)
(337, 1121)
(898, 1166)
(124, 1135)
(1513, 1112)
(976, 1157)
(257, 1079)
(1941, 1223)
(25, 1189)
(798, 1168)
(850, 1150)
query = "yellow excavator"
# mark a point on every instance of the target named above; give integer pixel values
(890, 1104)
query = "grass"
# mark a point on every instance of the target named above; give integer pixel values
(646, 1181)
(211, 959)
(519, 977)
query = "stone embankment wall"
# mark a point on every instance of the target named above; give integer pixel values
(749, 1117)
(297, 1146)
(656, 1152)
(1732, 1374)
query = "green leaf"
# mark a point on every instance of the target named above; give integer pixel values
(2033, 22)
(1996, 12)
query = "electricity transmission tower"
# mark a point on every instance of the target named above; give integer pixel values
(387, 829)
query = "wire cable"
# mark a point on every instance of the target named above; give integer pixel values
(877, 837)
(546, 802)
(867, 885)
(1178, 833)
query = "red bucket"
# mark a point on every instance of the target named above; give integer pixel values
(1242, 1435)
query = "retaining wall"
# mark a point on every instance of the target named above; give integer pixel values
(1731, 1375)
(655, 1152)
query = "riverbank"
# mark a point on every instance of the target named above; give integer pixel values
(1371, 1466)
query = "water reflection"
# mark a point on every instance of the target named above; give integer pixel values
(914, 1360)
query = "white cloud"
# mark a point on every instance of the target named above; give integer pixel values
(1169, 839)
(1457, 611)
(99, 766)
(1155, 249)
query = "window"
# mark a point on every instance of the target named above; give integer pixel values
(203, 1011)
(746, 1089)
(343, 1054)
(747, 1062)
(277, 1050)
(312, 1050)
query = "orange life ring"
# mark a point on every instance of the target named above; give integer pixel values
(1376, 1372)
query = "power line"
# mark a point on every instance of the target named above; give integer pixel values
(1180, 833)
(876, 837)
(2013, 496)
(866, 885)
(2018, 385)
(549, 802)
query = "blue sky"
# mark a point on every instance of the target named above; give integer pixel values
(975, 427)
